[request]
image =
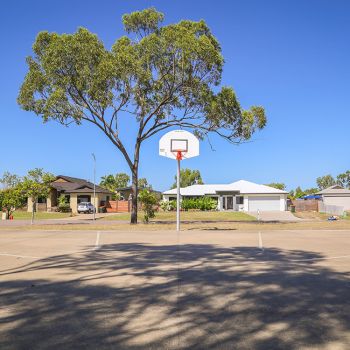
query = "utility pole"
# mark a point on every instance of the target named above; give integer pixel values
(93, 156)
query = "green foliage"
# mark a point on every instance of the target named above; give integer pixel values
(172, 205)
(165, 205)
(63, 204)
(146, 21)
(9, 180)
(325, 181)
(344, 179)
(201, 203)
(148, 200)
(311, 190)
(121, 180)
(188, 177)
(278, 185)
(11, 199)
(143, 183)
(112, 182)
(37, 184)
(299, 192)
(161, 76)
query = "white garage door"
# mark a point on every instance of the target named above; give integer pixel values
(339, 201)
(264, 203)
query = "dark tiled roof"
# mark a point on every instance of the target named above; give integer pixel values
(76, 185)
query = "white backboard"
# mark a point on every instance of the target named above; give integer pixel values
(179, 140)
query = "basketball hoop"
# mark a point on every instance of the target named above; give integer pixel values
(178, 145)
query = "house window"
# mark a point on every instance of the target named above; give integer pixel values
(239, 200)
(41, 200)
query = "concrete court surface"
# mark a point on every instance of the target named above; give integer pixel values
(160, 290)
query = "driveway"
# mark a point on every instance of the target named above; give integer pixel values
(284, 216)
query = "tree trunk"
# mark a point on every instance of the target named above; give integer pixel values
(135, 185)
(134, 193)
(33, 209)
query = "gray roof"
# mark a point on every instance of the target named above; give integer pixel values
(76, 185)
(335, 190)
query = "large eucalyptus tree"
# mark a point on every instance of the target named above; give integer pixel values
(158, 76)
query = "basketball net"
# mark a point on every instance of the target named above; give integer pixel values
(178, 155)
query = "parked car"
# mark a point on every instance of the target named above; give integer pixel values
(85, 207)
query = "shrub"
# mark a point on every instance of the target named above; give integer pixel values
(165, 205)
(172, 205)
(148, 200)
(63, 205)
(206, 203)
(202, 203)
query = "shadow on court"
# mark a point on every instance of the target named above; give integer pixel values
(129, 296)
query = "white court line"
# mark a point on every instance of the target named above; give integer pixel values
(292, 260)
(97, 242)
(330, 258)
(260, 241)
(21, 256)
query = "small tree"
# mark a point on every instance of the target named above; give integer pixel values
(299, 192)
(37, 184)
(63, 204)
(148, 200)
(11, 199)
(188, 177)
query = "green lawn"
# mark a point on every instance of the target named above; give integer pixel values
(24, 215)
(191, 216)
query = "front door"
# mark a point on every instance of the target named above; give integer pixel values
(229, 203)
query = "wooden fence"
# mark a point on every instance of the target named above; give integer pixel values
(118, 206)
(305, 205)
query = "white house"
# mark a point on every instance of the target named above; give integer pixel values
(238, 196)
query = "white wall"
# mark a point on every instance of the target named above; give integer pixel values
(342, 201)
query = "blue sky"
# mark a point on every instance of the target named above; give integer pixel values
(292, 57)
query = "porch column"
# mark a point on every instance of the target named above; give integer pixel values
(246, 204)
(73, 202)
(221, 203)
(29, 204)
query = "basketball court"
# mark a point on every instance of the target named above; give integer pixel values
(206, 289)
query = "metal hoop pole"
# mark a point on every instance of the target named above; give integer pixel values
(178, 197)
